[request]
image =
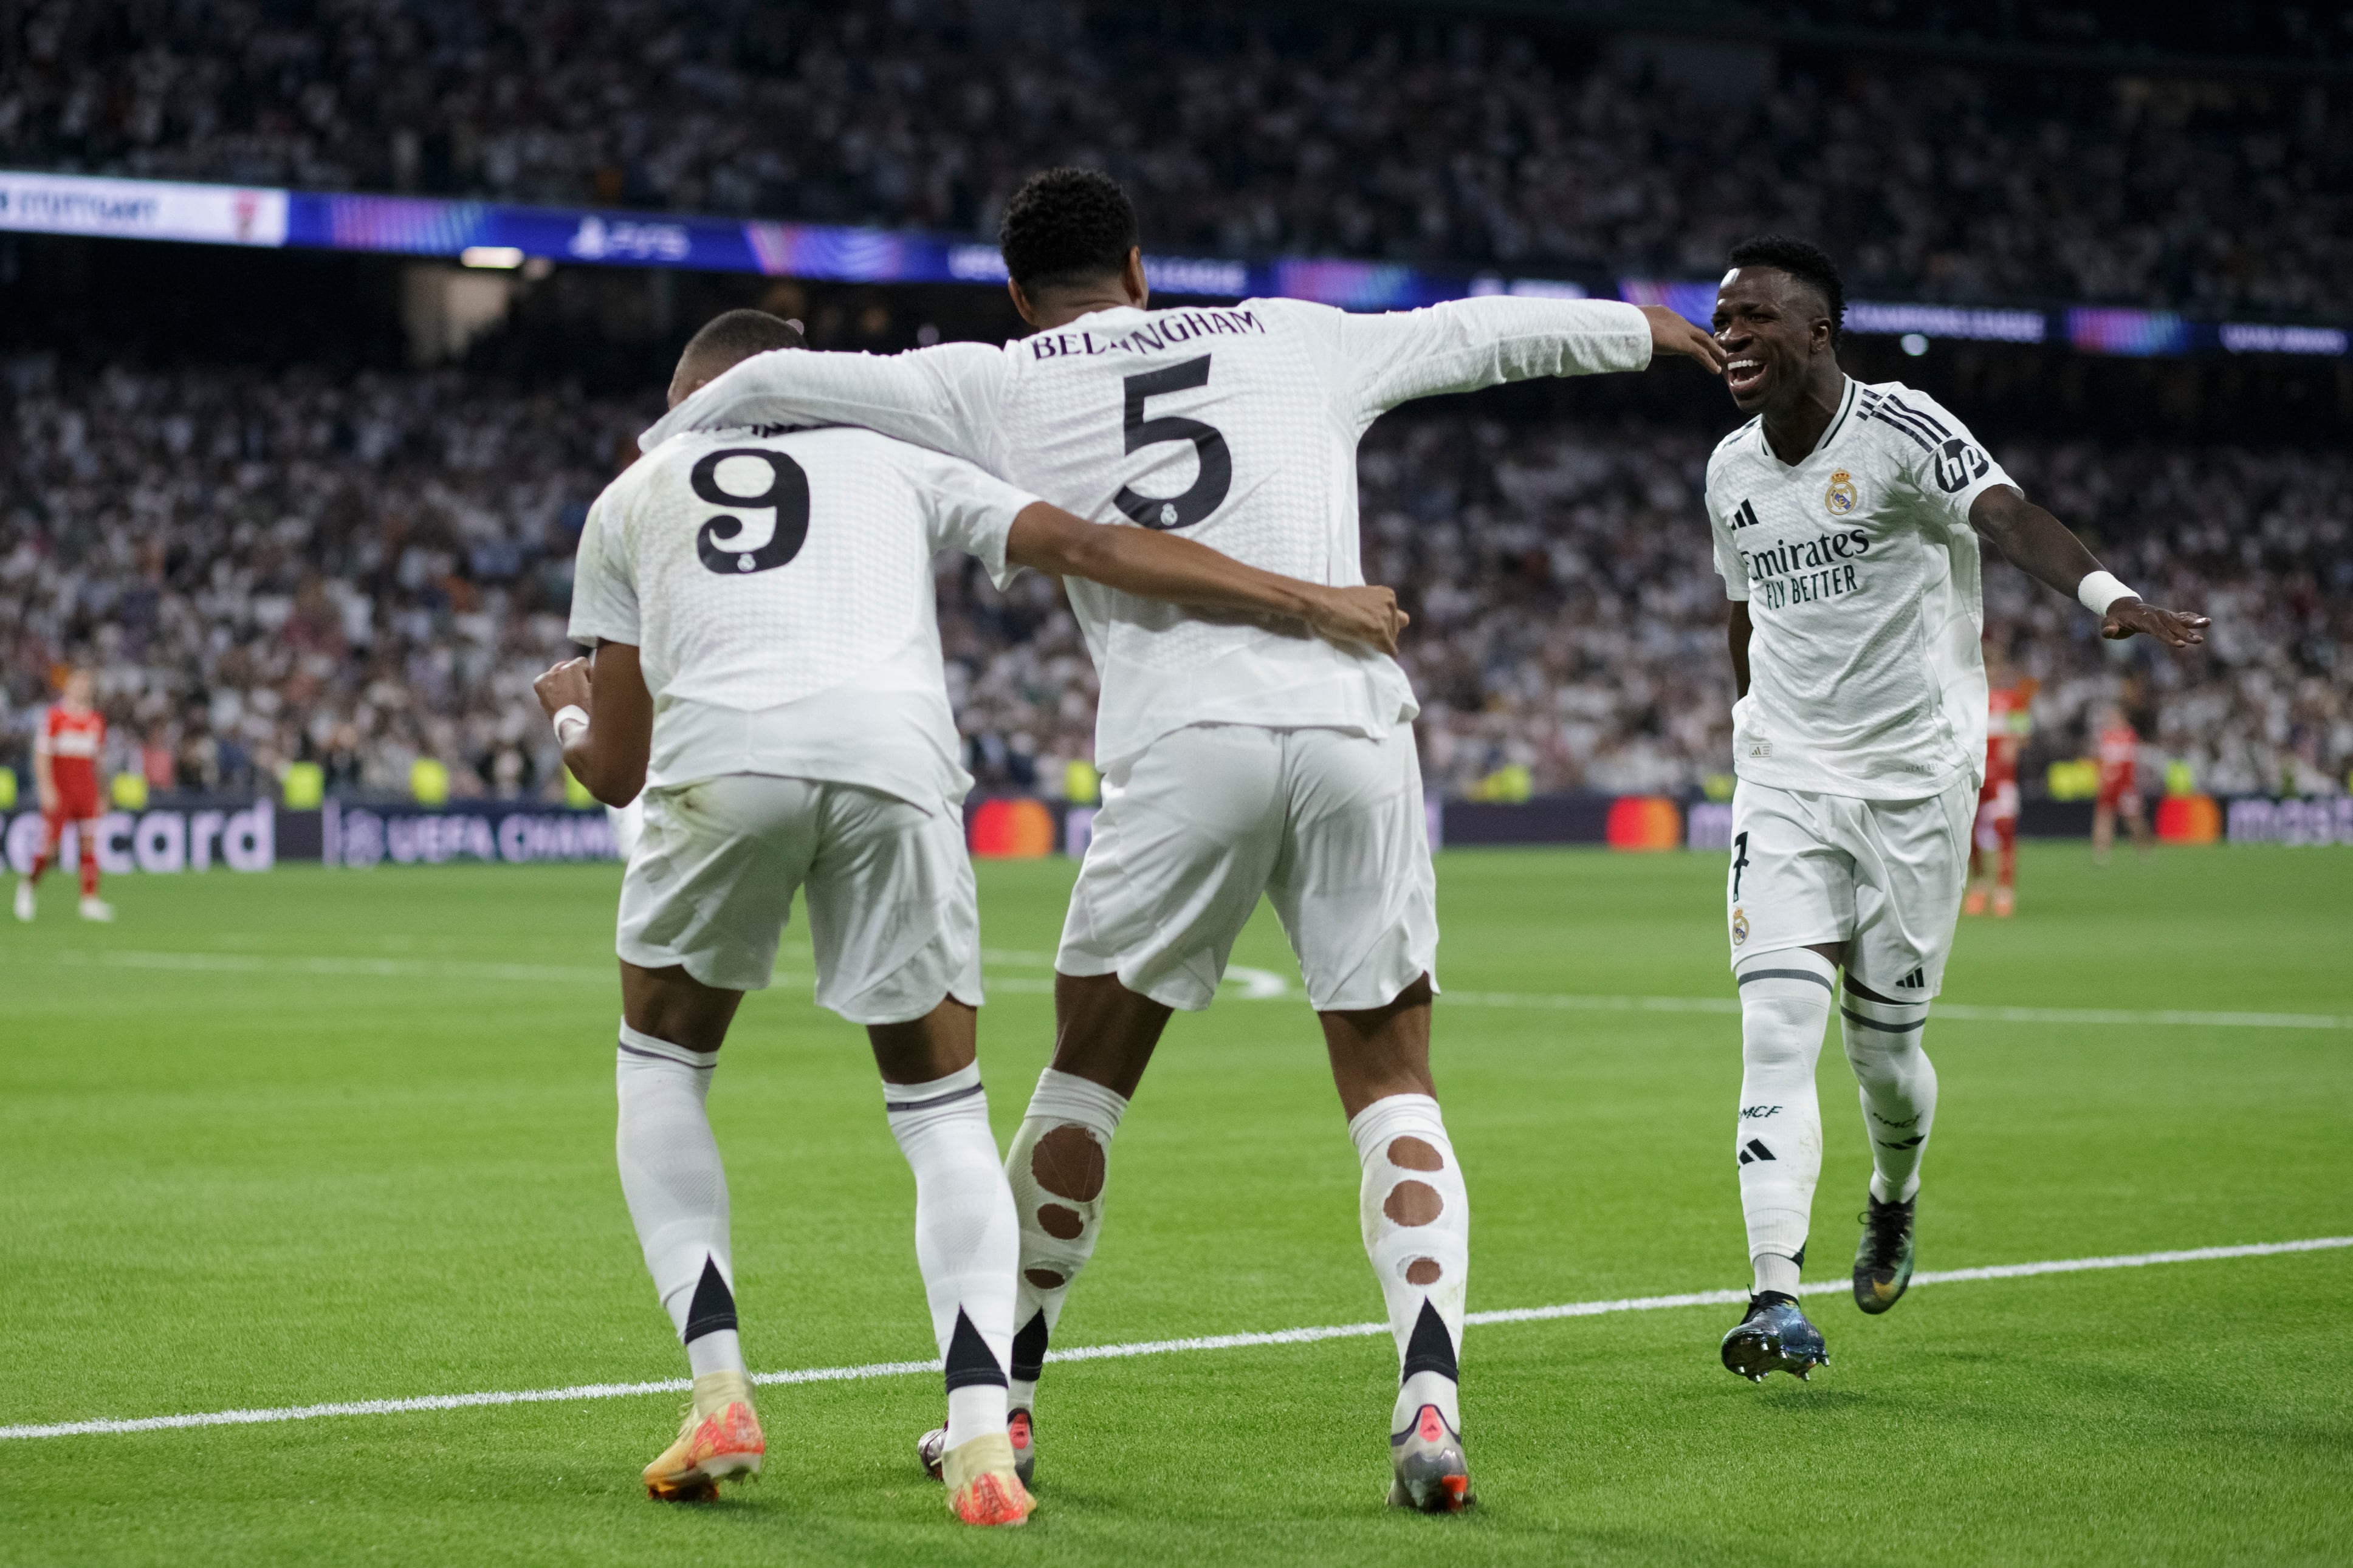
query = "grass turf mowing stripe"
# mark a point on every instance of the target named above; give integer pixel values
(1253, 986)
(1144, 1347)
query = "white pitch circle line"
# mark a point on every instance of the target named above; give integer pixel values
(1145, 1347)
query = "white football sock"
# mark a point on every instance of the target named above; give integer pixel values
(1058, 1165)
(1416, 1218)
(1785, 1005)
(1899, 1089)
(967, 1242)
(678, 1192)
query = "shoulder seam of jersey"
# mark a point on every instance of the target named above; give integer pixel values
(1737, 435)
(1919, 414)
(1876, 408)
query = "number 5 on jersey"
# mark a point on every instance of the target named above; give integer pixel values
(1216, 474)
(787, 496)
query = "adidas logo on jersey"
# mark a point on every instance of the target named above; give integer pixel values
(1754, 1151)
(1915, 981)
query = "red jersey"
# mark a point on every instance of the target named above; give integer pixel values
(72, 741)
(2010, 718)
(2119, 750)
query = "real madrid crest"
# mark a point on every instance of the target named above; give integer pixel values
(1739, 926)
(1841, 498)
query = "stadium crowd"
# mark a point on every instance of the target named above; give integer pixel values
(362, 573)
(1474, 142)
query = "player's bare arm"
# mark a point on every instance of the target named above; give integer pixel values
(1155, 565)
(605, 717)
(2043, 547)
(1737, 633)
(44, 784)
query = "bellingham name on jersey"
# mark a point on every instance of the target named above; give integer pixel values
(1169, 330)
(1861, 575)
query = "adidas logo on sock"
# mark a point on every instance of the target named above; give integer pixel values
(1754, 1151)
(1915, 981)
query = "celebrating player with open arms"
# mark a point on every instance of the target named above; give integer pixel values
(767, 671)
(1239, 758)
(1846, 523)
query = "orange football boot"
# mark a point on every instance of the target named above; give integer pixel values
(983, 1487)
(719, 1440)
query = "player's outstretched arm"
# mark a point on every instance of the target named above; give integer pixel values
(604, 717)
(1155, 565)
(1670, 334)
(2040, 545)
(1385, 359)
(934, 398)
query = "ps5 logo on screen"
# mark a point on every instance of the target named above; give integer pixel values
(787, 496)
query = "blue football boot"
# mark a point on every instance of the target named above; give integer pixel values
(1882, 1259)
(1774, 1337)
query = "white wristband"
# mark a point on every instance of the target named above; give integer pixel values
(2101, 589)
(571, 713)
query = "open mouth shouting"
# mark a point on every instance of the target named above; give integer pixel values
(1744, 374)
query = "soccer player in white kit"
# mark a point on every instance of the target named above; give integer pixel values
(1239, 758)
(767, 670)
(1846, 523)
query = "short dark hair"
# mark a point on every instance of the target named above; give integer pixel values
(1807, 262)
(1065, 226)
(734, 336)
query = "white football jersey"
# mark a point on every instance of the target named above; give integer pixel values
(778, 588)
(1238, 424)
(1860, 573)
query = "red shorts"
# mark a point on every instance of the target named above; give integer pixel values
(76, 795)
(2116, 786)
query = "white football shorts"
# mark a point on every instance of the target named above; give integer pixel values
(1883, 876)
(892, 909)
(1327, 824)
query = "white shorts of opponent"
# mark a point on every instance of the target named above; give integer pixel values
(1326, 824)
(891, 910)
(1883, 876)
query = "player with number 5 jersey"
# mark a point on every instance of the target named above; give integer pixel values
(1846, 521)
(1239, 758)
(767, 671)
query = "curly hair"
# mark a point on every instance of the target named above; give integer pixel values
(1808, 263)
(1065, 226)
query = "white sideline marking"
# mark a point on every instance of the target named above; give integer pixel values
(1250, 984)
(1144, 1347)
(1948, 1011)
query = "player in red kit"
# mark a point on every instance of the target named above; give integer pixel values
(2119, 789)
(65, 777)
(2010, 718)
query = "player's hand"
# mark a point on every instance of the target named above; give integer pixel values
(1360, 615)
(46, 797)
(564, 686)
(1670, 334)
(2174, 628)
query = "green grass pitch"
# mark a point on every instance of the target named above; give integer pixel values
(321, 1136)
